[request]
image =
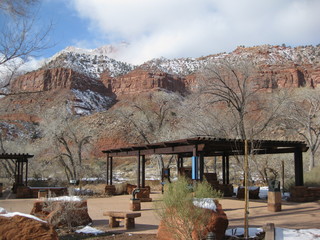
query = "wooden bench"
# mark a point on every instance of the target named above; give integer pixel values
(116, 217)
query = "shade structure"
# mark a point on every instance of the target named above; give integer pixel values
(21, 167)
(201, 147)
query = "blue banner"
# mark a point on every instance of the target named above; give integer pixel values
(194, 168)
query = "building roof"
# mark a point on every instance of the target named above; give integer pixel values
(16, 156)
(209, 146)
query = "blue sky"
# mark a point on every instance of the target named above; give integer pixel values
(68, 29)
(179, 28)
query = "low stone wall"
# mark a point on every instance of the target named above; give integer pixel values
(226, 189)
(253, 193)
(32, 192)
(304, 194)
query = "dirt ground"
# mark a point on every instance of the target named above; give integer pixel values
(293, 215)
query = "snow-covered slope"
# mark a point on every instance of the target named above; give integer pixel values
(85, 61)
(93, 62)
(264, 54)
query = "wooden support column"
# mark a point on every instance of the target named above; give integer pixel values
(138, 171)
(201, 167)
(298, 167)
(227, 170)
(143, 171)
(20, 172)
(111, 173)
(26, 181)
(107, 169)
(224, 169)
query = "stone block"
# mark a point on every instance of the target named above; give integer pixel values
(144, 194)
(274, 197)
(274, 207)
(274, 201)
(110, 190)
(135, 205)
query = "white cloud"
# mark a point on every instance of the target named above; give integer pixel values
(17, 66)
(180, 28)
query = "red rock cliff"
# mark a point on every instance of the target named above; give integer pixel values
(56, 78)
(140, 80)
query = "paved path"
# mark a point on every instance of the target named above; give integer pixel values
(293, 215)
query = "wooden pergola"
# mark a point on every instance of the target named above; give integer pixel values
(200, 147)
(21, 167)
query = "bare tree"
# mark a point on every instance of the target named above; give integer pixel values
(19, 37)
(17, 8)
(7, 166)
(149, 119)
(302, 117)
(70, 148)
(231, 86)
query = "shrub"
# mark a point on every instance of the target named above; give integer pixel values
(205, 190)
(177, 212)
(311, 178)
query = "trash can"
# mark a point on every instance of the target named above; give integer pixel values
(274, 196)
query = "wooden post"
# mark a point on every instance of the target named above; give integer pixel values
(282, 175)
(201, 166)
(107, 169)
(111, 163)
(138, 171)
(246, 192)
(143, 170)
(298, 167)
(26, 181)
(224, 169)
(227, 170)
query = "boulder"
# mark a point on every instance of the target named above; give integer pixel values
(23, 228)
(62, 213)
(218, 223)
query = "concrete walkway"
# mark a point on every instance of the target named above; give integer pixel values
(293, 215)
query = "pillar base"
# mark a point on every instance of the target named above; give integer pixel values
(274, 201)
(110, 189)
(144, 194)
(135, 205)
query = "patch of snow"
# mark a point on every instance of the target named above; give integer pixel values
(263, 193)
(3, 211)
(89, 63)
(66, 199)
(234, 232)
(89, 230)
(207, 203)
(297, 234)
(12, 214)
(87, 102)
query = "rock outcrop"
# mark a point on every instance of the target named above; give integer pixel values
(292, 76)
(57, 78)
(62, 213)
(23, 228)
(140, 80)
